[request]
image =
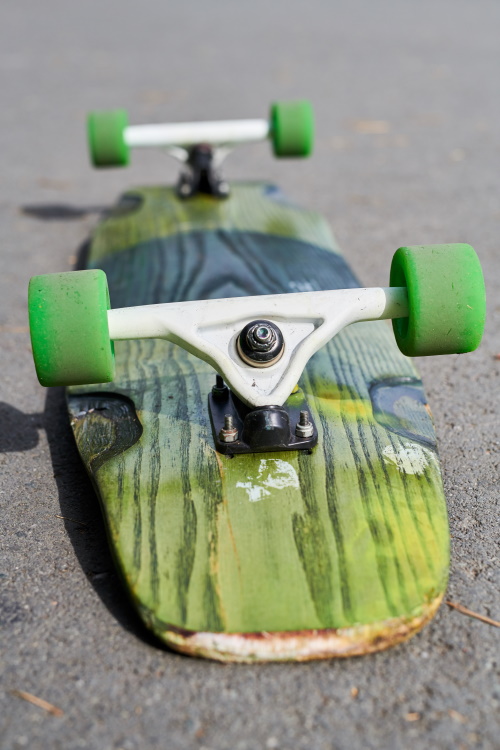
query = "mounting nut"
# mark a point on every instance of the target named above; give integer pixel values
(304, 428)
(229, 433)
(220, 389)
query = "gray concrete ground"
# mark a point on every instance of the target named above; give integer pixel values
(408, 152)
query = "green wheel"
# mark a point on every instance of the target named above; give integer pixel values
(106, 138)
(446, 298)
(292, 128)
(69, 328)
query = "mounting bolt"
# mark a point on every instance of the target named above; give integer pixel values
(220, 388)
(304, 428)
(229, 433)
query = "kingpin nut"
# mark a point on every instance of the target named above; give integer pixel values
(260, 343)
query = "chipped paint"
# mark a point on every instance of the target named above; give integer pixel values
(410, 458)
(273, 473)
(299, 645)
(255, 492)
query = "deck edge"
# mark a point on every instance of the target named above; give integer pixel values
(302, 645)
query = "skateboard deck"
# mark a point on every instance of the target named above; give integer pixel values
(339, 551)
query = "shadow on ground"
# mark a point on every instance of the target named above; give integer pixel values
(79, 506)
(60, 211)
(77, 499)
(82, 517)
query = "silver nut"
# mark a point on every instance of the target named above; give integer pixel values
(228, 436)
(304, 428)
(229, 433)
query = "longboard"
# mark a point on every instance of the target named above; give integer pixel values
(336, 551)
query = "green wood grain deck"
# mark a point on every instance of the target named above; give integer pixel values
(264, 556)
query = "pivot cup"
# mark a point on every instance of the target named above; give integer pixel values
(260, 343)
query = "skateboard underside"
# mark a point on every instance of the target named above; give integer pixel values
(267, 556)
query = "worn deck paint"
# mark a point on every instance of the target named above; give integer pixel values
(267, 556)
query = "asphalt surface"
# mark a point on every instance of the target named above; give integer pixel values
(408, 152)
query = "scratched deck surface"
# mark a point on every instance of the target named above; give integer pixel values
(337, 552)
